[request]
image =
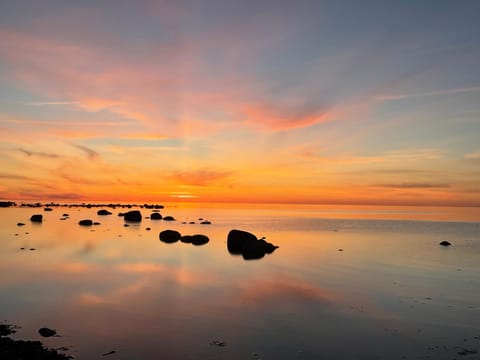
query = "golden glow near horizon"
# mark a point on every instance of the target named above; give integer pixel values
(297, 104)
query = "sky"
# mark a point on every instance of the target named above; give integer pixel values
(316, 102)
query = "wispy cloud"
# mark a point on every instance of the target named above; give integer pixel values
(13, 176)
(51, 103)
(38, 153)
(472, 156)
(91, 154)
(201, 177)
(414, 185)
(403, 96)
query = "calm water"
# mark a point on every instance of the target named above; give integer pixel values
(392, 293)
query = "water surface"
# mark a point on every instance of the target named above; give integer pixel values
(345, 283)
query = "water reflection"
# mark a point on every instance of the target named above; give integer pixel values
(120, 288)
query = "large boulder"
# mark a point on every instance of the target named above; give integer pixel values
(170, 236)
(133, 216)
(36, 218)
(243, 243)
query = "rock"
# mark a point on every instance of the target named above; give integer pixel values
(65, 215)
(187, 239)
(445, 243)
(46, 332)
(205, 222)
(243, 243)
(148, 229)
(237, 239)
(103, 212)
(133, 216)
(199, 240)
(170, 236)
(156, 216)
(169, 218)
(36, 218)
(20, 224)
(7, 204)
(96, 223)
(86, 222)
(47, 209)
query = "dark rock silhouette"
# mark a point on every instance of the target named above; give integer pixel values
(187, 239)
(445, 243)
(199, 240)
(86, 222)
(46, 332)
(7, 203)
(47, 209)
(36, 218)
(103, 212)
(20, 224)
(133, 216)
(243, 243)
(65, 215)
(205, 222)
(169, 218)
(170, 236)
(156, 216)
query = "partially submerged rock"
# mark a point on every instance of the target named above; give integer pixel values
(20, 224)
(243, 243)
(170, 236)
(37, 218)
(85, 222)
(199, 240)
(445, 243)
(47, 332)
(103, 212)
(169, 218)
(133, 216)
(156, 216)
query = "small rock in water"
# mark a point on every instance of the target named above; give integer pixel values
(36, 218)
(464, 352)
(20, 224)
(168, 218)
(205, 222)
(199, 240)
(103, 212)
(156, 216)
(46, 332)
(109, 353)
(32, 249)
(86, 222)
(170, 236)
(133, 216)
(445, 243)
(218, 343)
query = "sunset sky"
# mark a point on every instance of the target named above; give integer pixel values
(349, 102)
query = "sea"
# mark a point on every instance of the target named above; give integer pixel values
(346, 282)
